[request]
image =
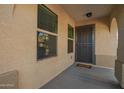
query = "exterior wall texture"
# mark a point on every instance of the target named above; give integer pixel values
(18, 40)
(118, 13)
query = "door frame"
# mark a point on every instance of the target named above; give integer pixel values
(93, 40)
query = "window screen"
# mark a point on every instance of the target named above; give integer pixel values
(70, 38)
(70, 46)
(46, 45)
(70, 31)
(47, 20)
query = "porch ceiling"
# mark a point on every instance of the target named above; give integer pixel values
(78, 11)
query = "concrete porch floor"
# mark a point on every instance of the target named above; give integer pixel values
(83, 78)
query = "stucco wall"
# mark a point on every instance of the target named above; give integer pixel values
(118, 13)
(104, 48)
(18, 26)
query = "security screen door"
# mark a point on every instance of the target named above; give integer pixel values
(85, 44)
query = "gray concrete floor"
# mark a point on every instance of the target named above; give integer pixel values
(83, 78)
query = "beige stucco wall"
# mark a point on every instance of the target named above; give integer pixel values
(18, 26)
(104, 41)
(118, 13)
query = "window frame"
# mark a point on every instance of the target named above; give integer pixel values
(72, 31)
(47, 32)
(49, 10)
(70, 38)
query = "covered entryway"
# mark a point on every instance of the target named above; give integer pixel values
(51, 28)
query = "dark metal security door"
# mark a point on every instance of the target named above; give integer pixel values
(85, 44)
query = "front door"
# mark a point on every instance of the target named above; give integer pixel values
(85, 44)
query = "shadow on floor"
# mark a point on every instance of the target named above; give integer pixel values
(84, 78)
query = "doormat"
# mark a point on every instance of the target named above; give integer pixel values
(84, 65)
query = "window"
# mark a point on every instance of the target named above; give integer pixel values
(70, 31)
(47, 20)
(70, 38)
(47, 33)
(70, 46)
